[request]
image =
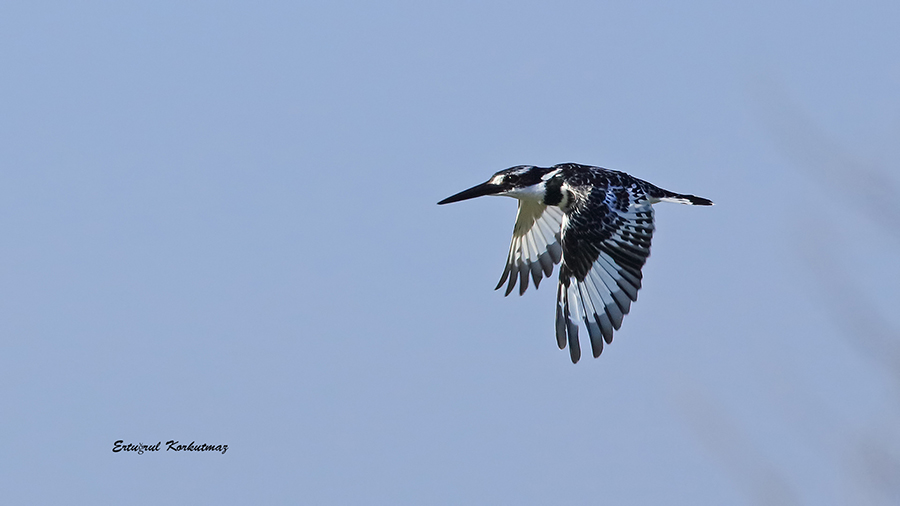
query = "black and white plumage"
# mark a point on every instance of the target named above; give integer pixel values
(597, 223)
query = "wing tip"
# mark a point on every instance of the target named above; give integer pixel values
(560, 327)
(574, 345)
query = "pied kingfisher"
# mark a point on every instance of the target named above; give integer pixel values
(597, 222)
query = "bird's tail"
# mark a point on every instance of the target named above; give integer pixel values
(679, 198)
(691, 200)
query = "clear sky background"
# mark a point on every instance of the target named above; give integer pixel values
(219, 225)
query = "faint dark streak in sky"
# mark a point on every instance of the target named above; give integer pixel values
(762, 481)
(870, 190)
(852, 310)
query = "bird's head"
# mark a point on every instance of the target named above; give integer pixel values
(521, 181)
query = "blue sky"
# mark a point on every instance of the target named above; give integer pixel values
(220, 226)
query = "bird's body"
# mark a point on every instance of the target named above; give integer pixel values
(597, 223)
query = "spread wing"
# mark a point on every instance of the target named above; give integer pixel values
(605, 241)
(535, 245)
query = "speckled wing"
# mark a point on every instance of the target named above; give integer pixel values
(535, 246)
(606, 241)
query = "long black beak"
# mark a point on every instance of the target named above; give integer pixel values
(476, 191)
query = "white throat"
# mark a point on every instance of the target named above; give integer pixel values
(534, 192)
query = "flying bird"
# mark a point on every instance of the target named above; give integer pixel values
(597, 223)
